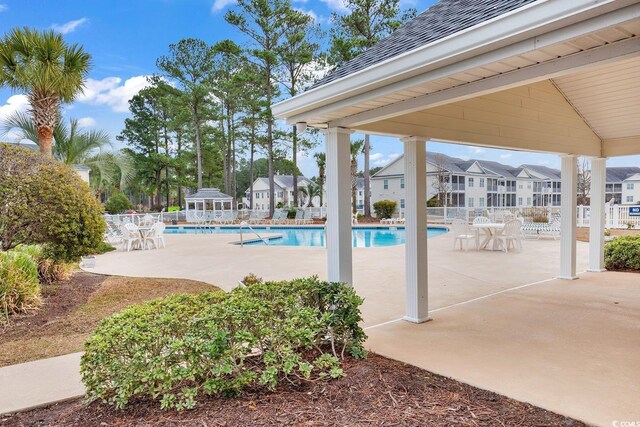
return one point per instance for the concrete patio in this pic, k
(500, 321)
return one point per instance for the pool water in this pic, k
(315, 236)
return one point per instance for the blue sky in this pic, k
(126, 37)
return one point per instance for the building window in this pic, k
(401, 183)
(481, 182)
(529, 185)
(401, 203)
(470, 202)
(359, 193)
(629, 185)
(481, 200)
(519, 201)
(629, 199)
(280, 194)
(470, 182)
(528, 201)
(257, 196)
(520, 186)
(385, 184)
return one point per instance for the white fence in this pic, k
(616, 216)
(181, 216)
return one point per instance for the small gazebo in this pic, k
(206, 201)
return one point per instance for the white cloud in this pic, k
(109, 91)
(505, 156)
(15, 103)
(382, 160)
(316, 18)
(337, 5)
(3, 7)
(86, 122)
(218, 5)
(478, 150)
(70, 26)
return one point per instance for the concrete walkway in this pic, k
(32, 384)
(572, 347)
(500, 321)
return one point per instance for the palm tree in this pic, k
(49, 70)
(321, 161)
(356, 149)
(308, 193)
(73, 146)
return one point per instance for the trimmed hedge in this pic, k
(623, 253)
(175, 349)
(385, 208)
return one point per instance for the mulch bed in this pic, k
(59, 299)
(376, 392)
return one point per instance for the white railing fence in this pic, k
(616, 216)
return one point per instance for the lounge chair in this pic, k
(308, 216)
(256, 217)
(299, 218)
(278, 216)
(539, 229)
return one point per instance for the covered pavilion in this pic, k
(558, 76)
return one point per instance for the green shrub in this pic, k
(117, 203)
(46, 202)
(623, 253)
(19, 286)
(49, 271)
(385, 208)
(175, 349)
(251, 279)
(541, 219)
(432, 202)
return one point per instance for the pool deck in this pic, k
(501, 322)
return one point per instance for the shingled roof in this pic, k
(208, 194)
(443, 19)
(619, 174)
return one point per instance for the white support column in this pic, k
(415, 172)
(569, 172)
(597, 215)
(338, 186)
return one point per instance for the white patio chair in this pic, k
(354, 219)
(299, 218)
(461, 232)
(147, 220)
(131, 238)
(308, 216)
(481, 220)
(155, 236)
(277, 216)
(511, 235)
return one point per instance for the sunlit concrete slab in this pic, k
(454, 276)
(567, 346)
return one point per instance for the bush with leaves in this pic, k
(117, 203)
(623, 253)
(385, 208)
(178, 348)
(46, 202)
(19, 286)
(49, 271)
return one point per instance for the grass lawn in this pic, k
(73, 308)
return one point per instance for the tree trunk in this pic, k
(367, 177)
(270, 142)
(45, 140)
(354, 184)
(251, 170)
(196, 124)
(295, 165)
(321, 179)
(234, 181)
(179, 170)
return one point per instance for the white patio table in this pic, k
(490, 229)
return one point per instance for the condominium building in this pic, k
(283, 191)
(473, 183)
(623, 185)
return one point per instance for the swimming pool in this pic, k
(363, 237)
